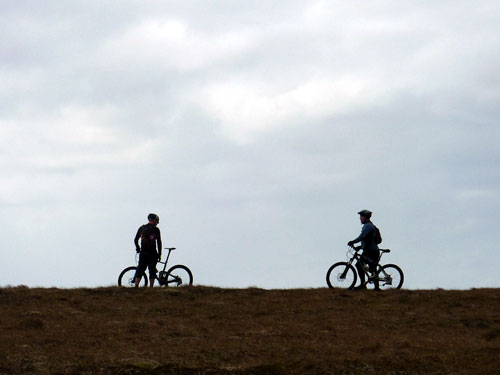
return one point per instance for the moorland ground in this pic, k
(203, 330)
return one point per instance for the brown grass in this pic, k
(204, 330)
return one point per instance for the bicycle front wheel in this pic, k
(341, 275)
(179, 276)
(390, 276)
(126, 278)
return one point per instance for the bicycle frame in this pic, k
(361, 258)
(159, 275)
(170, 249)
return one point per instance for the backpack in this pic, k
(148, 238)
(377, 237)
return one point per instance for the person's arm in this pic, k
(136, 240)
(364, 232)
(158, 240)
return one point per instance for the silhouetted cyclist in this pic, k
(150, 254)
(368, 239)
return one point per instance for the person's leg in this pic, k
(373, 256)
(152, 271)
(141, 268)
(373, 270)
(361, 273)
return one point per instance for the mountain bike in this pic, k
(176, 276)
(344, 275)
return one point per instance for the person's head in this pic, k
(364, 216)
(153, 219)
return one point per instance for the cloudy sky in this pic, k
(255, 130)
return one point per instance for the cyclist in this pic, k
(149, 253)
(369, 245)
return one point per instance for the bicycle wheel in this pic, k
(341, 275)
(126, 278)
(178, 276)
(390, 277)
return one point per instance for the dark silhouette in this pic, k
(150, 237)
(371, 253)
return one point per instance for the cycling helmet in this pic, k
(365, 213)
(154, 217)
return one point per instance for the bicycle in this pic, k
(176, 276)
(344, 275)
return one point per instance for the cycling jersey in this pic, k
(150, 236)
(367, 238)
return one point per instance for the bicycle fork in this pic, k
(343, 275)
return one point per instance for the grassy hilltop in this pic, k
(203, 330)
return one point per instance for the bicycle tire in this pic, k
(178, 276)
(341, 275)
(126, 278)
(390, 277)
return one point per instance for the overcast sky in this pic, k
(255, 130)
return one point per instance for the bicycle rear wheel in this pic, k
(178, 276)
(390, 277)
(126, 278)
(341, 275)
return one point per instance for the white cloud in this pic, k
(172, 44)
(83, 126)
(76, 137)
(244, 109)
